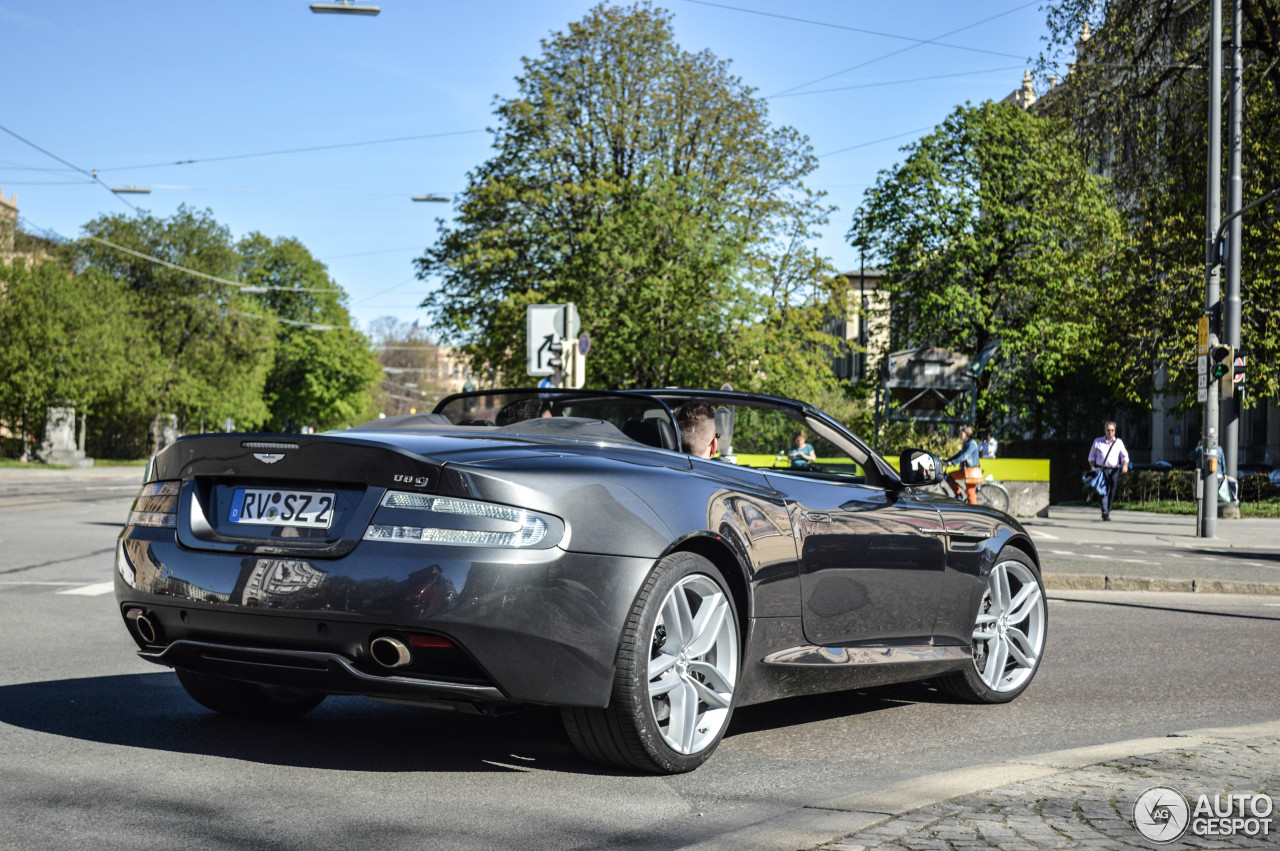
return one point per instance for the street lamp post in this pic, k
(1207, 507)
(1235, 195)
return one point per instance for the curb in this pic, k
(1101, 582)
(829, 821)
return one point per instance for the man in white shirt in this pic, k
(1109, 455)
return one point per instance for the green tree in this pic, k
(70, 340)
(994, 229)
(1137, 95)
(646, 185)
(215, 341)
(323, 372)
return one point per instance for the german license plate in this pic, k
(271, 507)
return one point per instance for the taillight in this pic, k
(156, 505)
(449, 520)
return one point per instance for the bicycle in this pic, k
(989, 492)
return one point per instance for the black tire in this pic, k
(233, 697)
(1026, 626)
(994, 496)
(629, 733)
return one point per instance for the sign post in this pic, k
(551, 346)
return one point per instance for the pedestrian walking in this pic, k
(987, 446)
(1109, 455)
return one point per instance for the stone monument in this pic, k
(60, 445)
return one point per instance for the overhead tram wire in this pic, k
(875, 142)
(91, 175)
(899, 82)
(917, 41)
(293, 150)
(250, 288)
(874, 59)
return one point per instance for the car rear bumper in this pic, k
(529, 627)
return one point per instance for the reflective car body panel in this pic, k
(513, 554)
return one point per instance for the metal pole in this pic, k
(1235, 197)
(1208, 506)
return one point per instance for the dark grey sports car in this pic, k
(555, 548)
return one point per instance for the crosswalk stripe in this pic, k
(91, 590)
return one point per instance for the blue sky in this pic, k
(130, 88)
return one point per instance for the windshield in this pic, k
(641, 418)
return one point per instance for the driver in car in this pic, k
(697, 422)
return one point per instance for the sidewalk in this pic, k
(1083, 524)
(36, 474)
(1079, 798)
(1069, 799)
(1137, 551)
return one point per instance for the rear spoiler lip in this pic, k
(316, 458)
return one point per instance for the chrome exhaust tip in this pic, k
(389, 652)
(146, 629)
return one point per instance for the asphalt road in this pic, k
(101, 750)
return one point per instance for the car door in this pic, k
(872, 561)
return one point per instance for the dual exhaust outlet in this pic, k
(393, 653)
(386, 651)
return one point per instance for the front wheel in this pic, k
(677, 668)
(1008, 634)
(234, 697)
(994, 496)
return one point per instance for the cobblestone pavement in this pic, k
(1091, 806)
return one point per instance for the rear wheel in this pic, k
(676, 671)
(234, 697)
(993, 495)
(1008, 634)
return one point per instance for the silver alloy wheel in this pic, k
(1008, 637)
(693, 664)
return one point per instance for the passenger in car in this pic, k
(524, 409)
(697, 422)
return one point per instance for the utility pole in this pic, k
(1235, 198)
(1207, 508)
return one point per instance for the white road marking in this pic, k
(94, 590)
(31, 582)
(1036, 533)
(1061, 552)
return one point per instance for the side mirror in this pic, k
(919, 468)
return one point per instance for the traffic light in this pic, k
(557, 349)
(1237, 373)
(1220, 358)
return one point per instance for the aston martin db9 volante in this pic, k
(556, 548)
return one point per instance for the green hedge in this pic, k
(1180, 485)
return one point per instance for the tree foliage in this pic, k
(994, 230)
(1138, 96)
(645, 184)
(69, 340)
(215, 342)
(323, 372)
